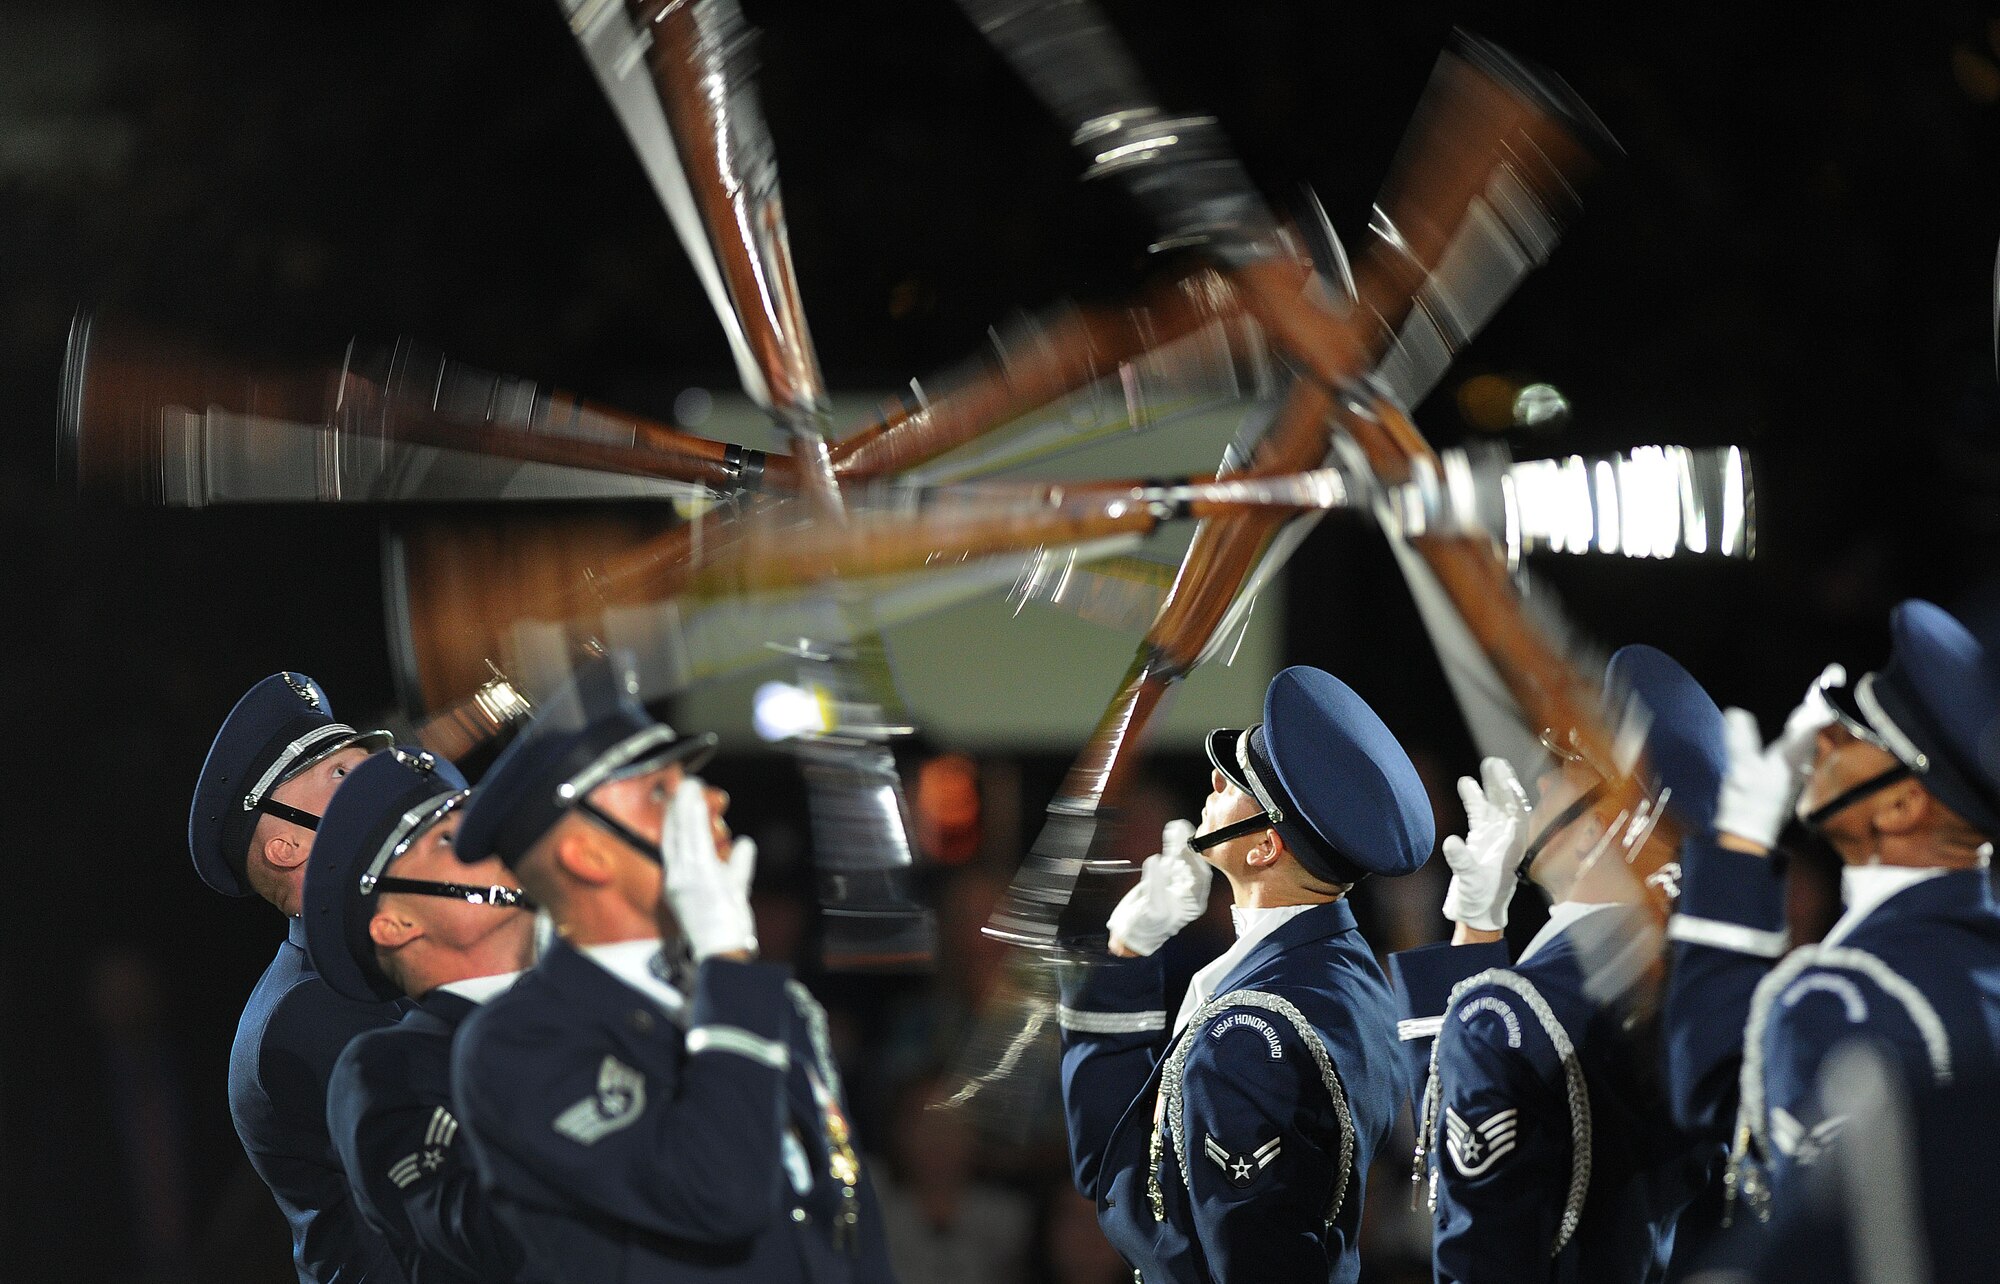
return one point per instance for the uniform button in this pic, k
(800, 1215)
(642, 1021)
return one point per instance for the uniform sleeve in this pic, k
(309, 1029)
(1114, 1028)
(872, 1264)
(1818, 1011)
(1727, 931)
(1423, 980)
(1262, 1155)
(1502, 1149)
(685, 1146)
(409, 1171)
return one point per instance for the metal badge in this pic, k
(303, 688)
(423, 761)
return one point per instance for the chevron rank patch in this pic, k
(1241, 1170)
(618, 1102)
(1794, 1140)
(418, 1164)
(1475, 1147)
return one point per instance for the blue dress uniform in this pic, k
(1237, 1147)
(1543, 1129)
(623, 1136)
(389, 1106)
(1913, 969)
(1910, 1163)
(294, 1026)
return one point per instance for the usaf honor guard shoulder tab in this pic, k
(1173, 1087)
(1475, 1145)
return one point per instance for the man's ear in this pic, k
(281, 852)
(1265, 854)
(1901, 809)
(582, 859)
(390, 931)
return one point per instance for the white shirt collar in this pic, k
(478, 989)
(1865, 887)
(632, 963)
(1252, 926)
(1562, 915)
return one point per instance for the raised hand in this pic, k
(709, 896)
(1483, 863)
(1171, 893)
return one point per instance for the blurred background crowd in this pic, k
(1794, 254)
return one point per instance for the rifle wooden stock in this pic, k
(1550, 689)
(700, 56)
(564, 429)
(1077, 349)
(120, 383)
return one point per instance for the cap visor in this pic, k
(1848, 710)
(1221, 748)
(371, 741)
(691, 752)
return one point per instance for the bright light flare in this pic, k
(781, 711)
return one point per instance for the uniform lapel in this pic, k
(1961, 892)
(443, 1009)
(633, 1020)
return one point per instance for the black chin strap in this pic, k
(285, 811)
(619, 829)
(1217, 837)
(497, 896)
(1564, 819)
(1818, 816)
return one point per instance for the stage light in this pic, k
(1540, 405)
(781, 711)
(693, 407)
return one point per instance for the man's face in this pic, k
(1842, 760)
(312, 789)
(640, 802)
(1226, 804)
(448, 921)
(1556, 789)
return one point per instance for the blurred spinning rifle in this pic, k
(1472, 205)
(1494, 154)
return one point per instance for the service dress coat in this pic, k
(1549, 1152)
(389, 1109)
(292, 1031)
(620, 1144)
(1237, 1149)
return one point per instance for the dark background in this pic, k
(1795, 254)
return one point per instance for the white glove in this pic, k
(1484, 862)
(1172, 892)
(1763, 783)
(710, 898)
(742, 863)
(1799, 740)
